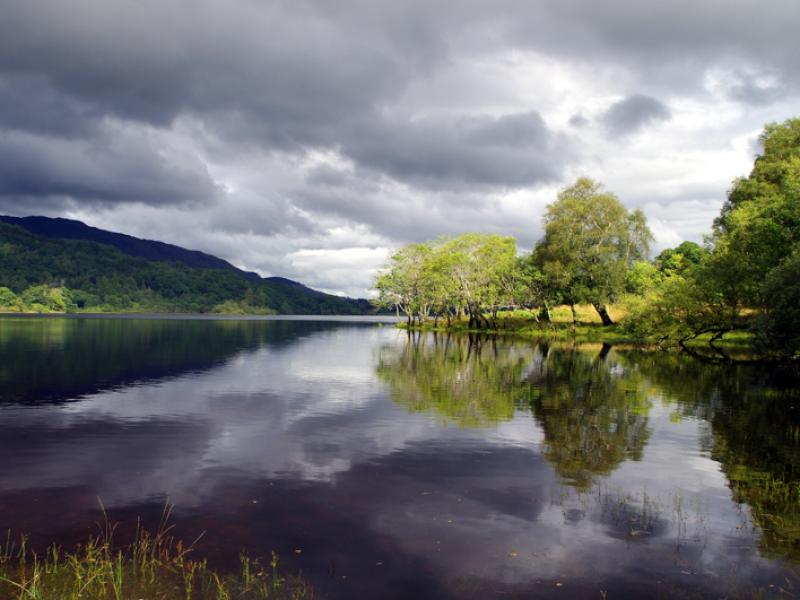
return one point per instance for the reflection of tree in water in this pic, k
(592, 405)
(593, 413)
(472, 381)
(754, 414)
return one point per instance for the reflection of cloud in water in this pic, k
(309, 433)
(261, 414)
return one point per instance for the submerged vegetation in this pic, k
(745, 278)
(153, 566)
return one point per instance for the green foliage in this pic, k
(9, 302)
(680, 260)
(590, 242)
(676, 310)
(472, 274)
(43, 298)
(642, 277)
(750, 266)
(410, 281)
(778, 329)
(63, 275)
(759, 225)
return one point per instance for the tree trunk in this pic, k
(544, 313)
(574, 315)
(604, 316)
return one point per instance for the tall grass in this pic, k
(155, 566)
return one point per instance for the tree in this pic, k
(8, 300)
(403, 283)
(759, 225)
(778, 329)
(484, 267)
(681, 259)
(474, 273)
(43, 298)
(590, 242)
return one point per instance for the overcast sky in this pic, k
(308, 139)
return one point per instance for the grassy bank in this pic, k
(588, 329)
(155, 567)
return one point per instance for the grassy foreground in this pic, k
(152, 567)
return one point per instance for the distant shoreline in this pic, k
(390, 319)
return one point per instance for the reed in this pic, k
(155, 566)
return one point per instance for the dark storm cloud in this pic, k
(509, 151)
(284, 70)
(633, 113)
(116, 166)
(33, 104)
(294, 76)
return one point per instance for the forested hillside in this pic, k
(43, 274)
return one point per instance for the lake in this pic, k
(385, 465)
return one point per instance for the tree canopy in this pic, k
(473, 274)
(590, 242)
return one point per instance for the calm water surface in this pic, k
(387, 466)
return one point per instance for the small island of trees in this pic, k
(595, 252)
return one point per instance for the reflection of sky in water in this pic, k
(308, 427)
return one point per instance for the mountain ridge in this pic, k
(115, 271)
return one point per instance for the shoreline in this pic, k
(201, 316)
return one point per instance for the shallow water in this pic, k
(383, 465)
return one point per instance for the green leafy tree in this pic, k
(680, 260)
(43, 298)
(475, 274)
(8, 300)
(759, 225)
(677, 311)
(642, 277)
(590, 242)
(405, 284)
(484, 268)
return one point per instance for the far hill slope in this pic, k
(68, 229)
(101, 277)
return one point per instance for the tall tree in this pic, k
(405, 284)
(759, 225)
(483, 265)
(590, 241)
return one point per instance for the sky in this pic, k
(309, 139)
